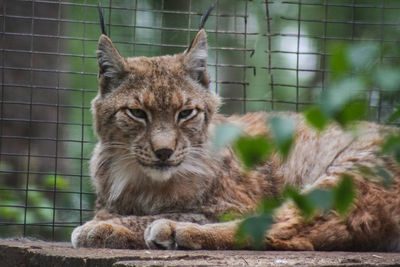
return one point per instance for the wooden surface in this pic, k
(26, 252)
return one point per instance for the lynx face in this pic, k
(155, 112)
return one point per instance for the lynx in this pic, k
(160, 184)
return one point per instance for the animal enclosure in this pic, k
(263, 55)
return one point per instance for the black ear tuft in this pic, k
(101, 18)
(204, 17)
(196, 54)
(203, 21)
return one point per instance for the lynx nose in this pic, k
(164, 153)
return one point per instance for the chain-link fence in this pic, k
(263, 55)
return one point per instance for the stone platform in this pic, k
(26, 252)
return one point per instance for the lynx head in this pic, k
(155, 110)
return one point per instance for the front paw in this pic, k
(102, 234)
(167, 234)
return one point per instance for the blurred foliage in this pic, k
(344, 195)
(355, 69)
(253, 227)
(224, 135)
(252, 150)
(344, 102)
(283, 133)
(252, 230)
(392, 146)
(43, 206)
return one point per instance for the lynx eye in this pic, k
(184, 114)
(137, 113)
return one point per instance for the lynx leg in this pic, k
(290, 232)
(170, 234)
(114, 231)
(372, 224)
(101, 234)
(167, 234)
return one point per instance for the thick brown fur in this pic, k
(160, 184)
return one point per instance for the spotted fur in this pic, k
(143, 202)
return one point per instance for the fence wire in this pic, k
(263, 55)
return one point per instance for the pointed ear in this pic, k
(113, 68)
(196, 59)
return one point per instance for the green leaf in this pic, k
(339, 63)
(253, 229)
(224, 135)
(229, 216)
(267, 206)
(343, 195)
(11, 214)
(392, 146)
(60, 182)
(8, 195)
(316, 118)
(334, 100)
(322, 199)
(283, 130)
(395, 115)
(391, 142)
(252, 150)
(363, 56)
(304, 204)
(386, 177)
(354, 110)
(388, 78)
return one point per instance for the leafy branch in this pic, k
(353, 69)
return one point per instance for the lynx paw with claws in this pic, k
(167, 234)
(100, 234)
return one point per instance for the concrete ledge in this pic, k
(25, 252)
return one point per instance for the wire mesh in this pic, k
(264, 55)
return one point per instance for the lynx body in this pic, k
(160, 184)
